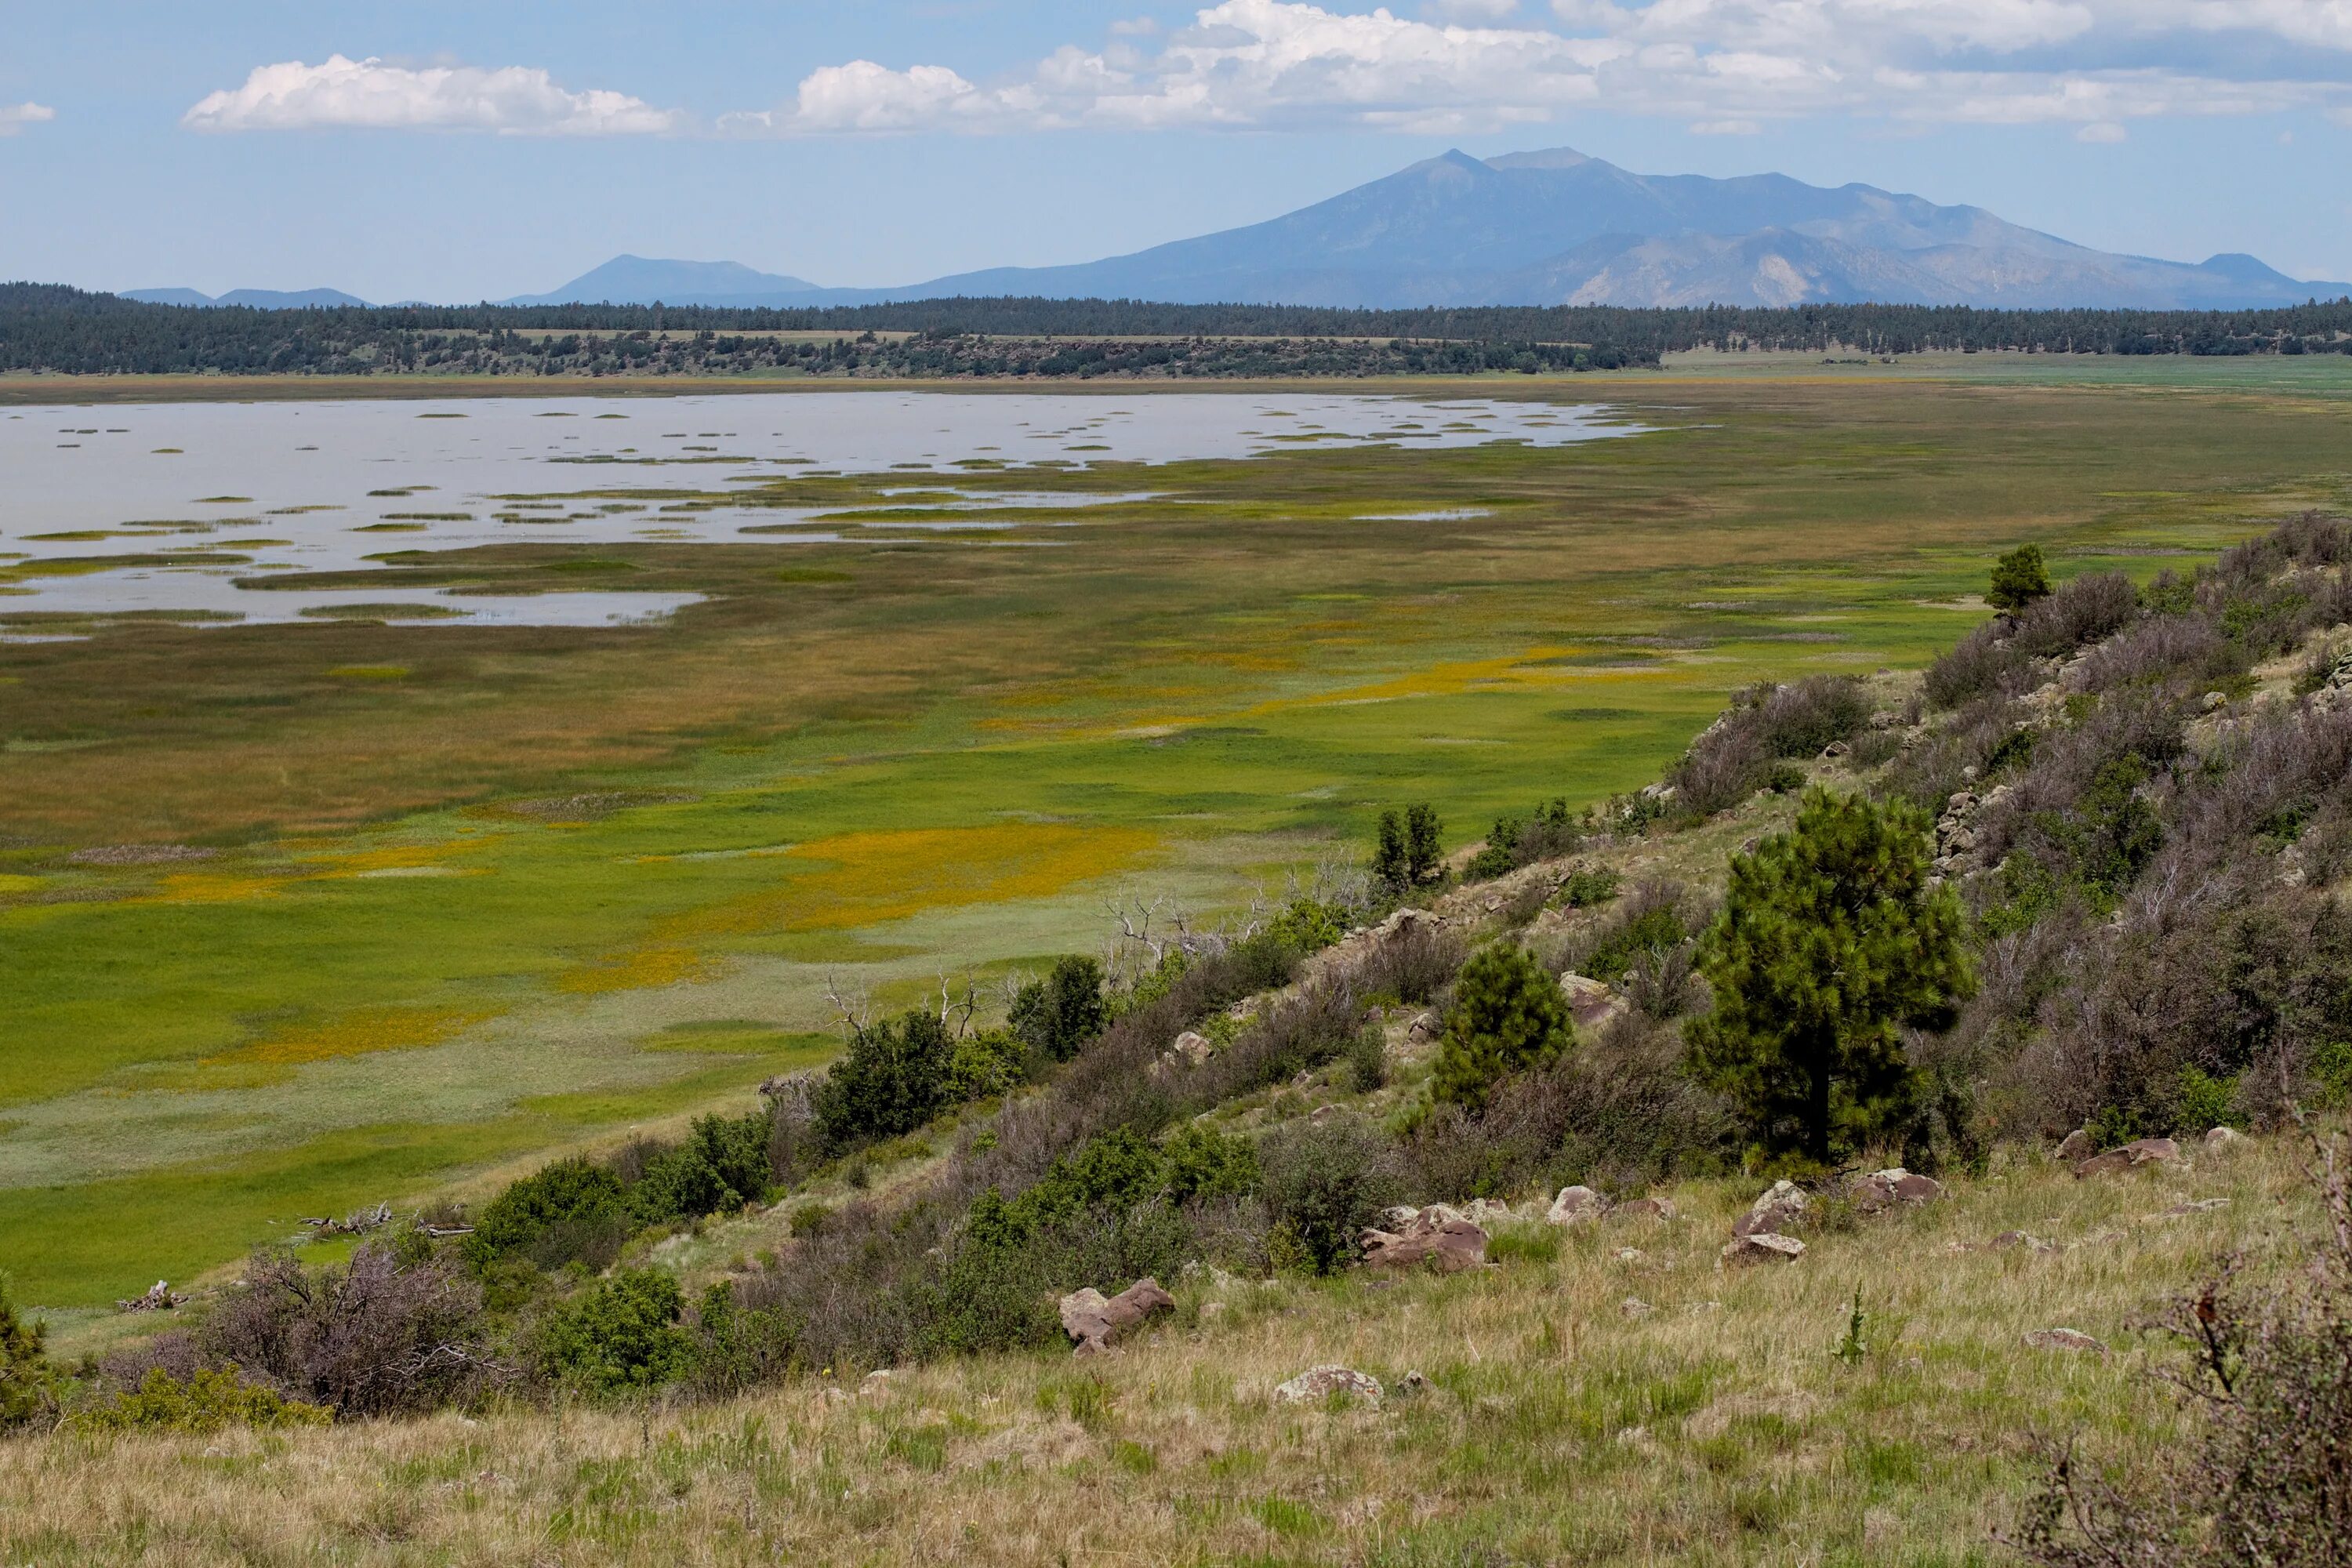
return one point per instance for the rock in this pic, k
(1451, 1247)
(2009, 1240)
(1398, 1218)
(1576, 1205)
(1488, 1212)
(1885, 1189)
(1762, 1246)
(1634, 1307)
(160, 1298)
(2065, 1339)
(1091, 1319)
(2213, 701)
(1426, 1027)
(2204, 1205)
(1321, 1383)
(1644, 1208)
(2222, 1138)
(1834, 749)
(2130, 1157)
(1194, 1047)
(1780, 1210)
(1411, 1385)
(1628, 1254)
(1591, 1002)
(2077, 1146)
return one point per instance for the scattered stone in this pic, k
(1091, 1319)
(2010, 1240)
(1426, 1027)
(1397, 1218)
(2222, 1138)
(1835, 750)
(2130, 1157)
(1762, 1246)
(2077, 1146)
(2206, 1205)
(1440, 1214)
(1577, 1205)
(1778, 1210)
(160, 1298)
(1451, 1246)
(2214, 701)
(1212, 1311)
(1321, 1383)
(2065, 1339)
(1630, 1254)
(1634, 1307)
(1644, 1208)
(1488, 1213)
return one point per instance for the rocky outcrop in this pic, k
(2077, 1146)
(1318, 1383)
(2224, 1138)
(1449, 1244)
(1644, 1208)
(1191, 1047)
(1593, 1003)
(1092, 1320)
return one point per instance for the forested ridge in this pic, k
(49, 328)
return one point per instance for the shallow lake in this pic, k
(199, 500)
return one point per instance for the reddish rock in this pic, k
(1778, 1210)
(1644, 1208)
(1762, 1246)
(1577, 1205)
(1091, 1319)
(1450, 1248)
(2130, 1157)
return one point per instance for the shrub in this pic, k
(1062, 1012)
(2018, 578)
(378, 1336)
(985, 1065)
(1515, 841)
(1413, 966)
(894, 1076)
(209, 1400)
(1588, 887)
(1985, 663)
(1509, 1014)
(1324, 1185)
(1308, 925)
(1367, 1060)
(27, 1382)
(567, 1212)
(2085, 611)
(1205, 1164)
(722, 1165)
(1830, 942)
(1737, 754)
(1648, 926)
(620, 1335)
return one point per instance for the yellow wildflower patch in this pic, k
(357, 1034)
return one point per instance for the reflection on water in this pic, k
(173, 507)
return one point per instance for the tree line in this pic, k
(49, 328)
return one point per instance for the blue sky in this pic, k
(459, 150)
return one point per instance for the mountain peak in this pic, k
(1543, 158)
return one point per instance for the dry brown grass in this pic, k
(1716, 1427)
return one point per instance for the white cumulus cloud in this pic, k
(15, 117)
(1722, 66)
(516, 101)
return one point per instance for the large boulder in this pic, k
(2076, 1146)
(2224, 1138)
(2130, 1157)
(1780, 1209)
(1577, 1205)
(1192, 1047)
(1644, 1208)
(1762, 1246)
(1450, 1245)
(1092, 1319)
(1321, 1383)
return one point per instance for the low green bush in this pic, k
(1509, 1014)
(571, 1211)
(620, 1335)
(209, 1400)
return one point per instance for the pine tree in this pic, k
(1388, 852)
(1831, 941)
(1509, 1014)
(1423, 855)
(2018, 578)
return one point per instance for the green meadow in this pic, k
(294, 918)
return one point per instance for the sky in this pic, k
(447, 151)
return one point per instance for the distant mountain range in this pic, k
(1535, 228)
(256, 298)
